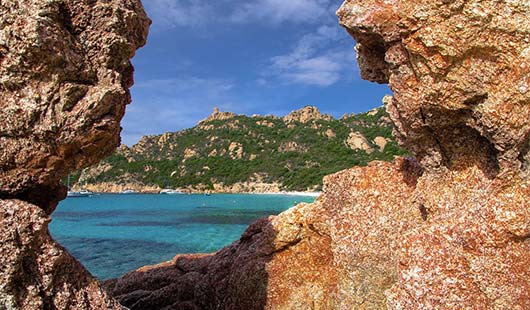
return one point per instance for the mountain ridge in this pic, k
(227, 152)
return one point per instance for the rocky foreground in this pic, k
(449, 229)
(64, 83)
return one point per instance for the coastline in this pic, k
(253, 188)
(286, 193)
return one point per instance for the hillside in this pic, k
(237, 153)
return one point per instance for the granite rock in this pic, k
(356, 141)
(64, 83)
(38, 273)
(459, 73)
(305, 115)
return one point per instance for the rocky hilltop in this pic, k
(236, 153)
(305, 115)
(218, 115)
(64, 79)
(447, 229)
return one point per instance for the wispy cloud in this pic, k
(193, 84)
(320, 71)
(279, 11)
(168, 14)
(314, 59)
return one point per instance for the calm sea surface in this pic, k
(115, 234)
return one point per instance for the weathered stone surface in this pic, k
(459, 71)
(64, 79)
(36, 272)
(218, 116)
(449, 231)
(381, 142)
(473, 251)
(356, 141)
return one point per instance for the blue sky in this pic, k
(248, 57)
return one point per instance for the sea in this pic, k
(114, 234)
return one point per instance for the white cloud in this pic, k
(278, 11)
(191, 13)
(320, 71)
(314, 60)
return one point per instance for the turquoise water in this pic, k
(114, 234)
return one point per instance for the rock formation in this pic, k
(36, 272)
(306, 114)
(381, 142)
(459, 72)
(356, 141)
(65, 74)
(449, 230)
(64, 79)
(218, 115)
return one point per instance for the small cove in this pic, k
(115, 234)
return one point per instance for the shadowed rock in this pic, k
(36, 272)
(64, 83)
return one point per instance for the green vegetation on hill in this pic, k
(240, 148)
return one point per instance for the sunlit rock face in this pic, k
(459, 71)
(64, 79)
